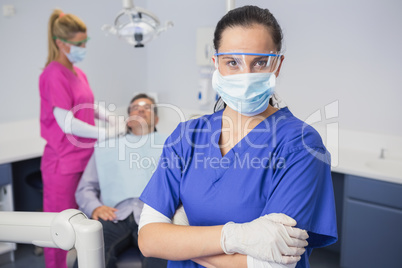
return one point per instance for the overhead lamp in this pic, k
(136, 25)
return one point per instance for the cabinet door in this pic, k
(371, 235)
(5, 174)
(6, 204)
(6, 192)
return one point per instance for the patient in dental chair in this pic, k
(115, 177)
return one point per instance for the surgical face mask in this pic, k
(76, 54)
(246, 93)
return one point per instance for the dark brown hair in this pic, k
(248, 16)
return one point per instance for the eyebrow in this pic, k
(227, 57)
(261, 57)
(231, 58)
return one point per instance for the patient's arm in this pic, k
(87, 194)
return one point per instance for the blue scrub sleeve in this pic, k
(304, 191)
(162, 192)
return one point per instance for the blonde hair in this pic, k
(63, 26)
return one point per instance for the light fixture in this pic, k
(136, 25)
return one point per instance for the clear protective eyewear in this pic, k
(74, 43)
(142, 105)
(240, 62)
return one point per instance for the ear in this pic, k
(215, 63)
(59, 43)
(280, 66)
(62, 46)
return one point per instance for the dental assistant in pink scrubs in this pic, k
(67, 119)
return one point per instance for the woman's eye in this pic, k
(261, 63)
(232, 63)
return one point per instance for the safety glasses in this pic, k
(75, 43)
(239, 62)
(142, 105)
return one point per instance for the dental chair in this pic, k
(66, 230)
(130, 258)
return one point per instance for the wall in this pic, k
(346, 51)
(114, 69)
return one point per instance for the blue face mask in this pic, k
(76, 54)
(246, 93)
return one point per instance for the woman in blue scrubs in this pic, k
(252, 178)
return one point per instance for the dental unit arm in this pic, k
(66, 230)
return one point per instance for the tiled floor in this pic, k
(25, 258)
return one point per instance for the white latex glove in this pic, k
(256, 263)
(180, 217)
(71, 125)
(121, 126)
(116, 127)
(107, 133)
(268, 238)
(111, 121)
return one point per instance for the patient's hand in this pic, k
(105, 213)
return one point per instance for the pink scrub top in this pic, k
(60, 87)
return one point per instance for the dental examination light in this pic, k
(66, 230)
(136, 25)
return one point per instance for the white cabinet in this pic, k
(6, 204)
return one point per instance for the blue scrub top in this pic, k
(281, 166)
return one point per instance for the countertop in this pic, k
(370, 155)
(20, 141)
(13, 151)
(369, 165)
